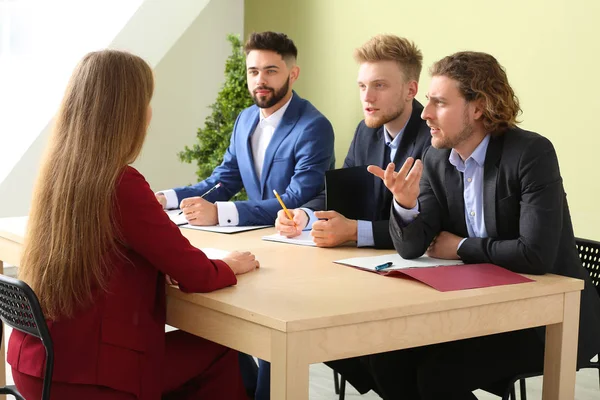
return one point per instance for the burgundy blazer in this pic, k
(119, 341)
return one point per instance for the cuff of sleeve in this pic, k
(406, 216)
(311, 218)
(172, 200)
(460, 244)
(228, 213)
(365, 234)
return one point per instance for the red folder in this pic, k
(459, 277)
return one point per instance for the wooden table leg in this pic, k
(560, 361)
(289, 366)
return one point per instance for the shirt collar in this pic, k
(275, 118)
(478, 155)
(394, 143)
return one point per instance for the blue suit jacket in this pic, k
(296, 159)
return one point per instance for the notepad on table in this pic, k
(225, 229)
(176, 216)
(180, 221)
(443, 275)
(304, 239)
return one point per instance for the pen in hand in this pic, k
(218, 185)
(287, 212)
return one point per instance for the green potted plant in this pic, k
(212, 140)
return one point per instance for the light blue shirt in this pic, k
(365, 228)
(472, 170)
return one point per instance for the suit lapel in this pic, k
(490, 175)
(456, 202)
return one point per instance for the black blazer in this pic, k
(367, 148)
(526, 217)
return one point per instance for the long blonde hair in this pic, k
(99, 129)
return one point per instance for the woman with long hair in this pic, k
(97, 250)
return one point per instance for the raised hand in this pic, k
(403, 184)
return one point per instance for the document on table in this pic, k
(174, 215)
(369, 263)
(443, 275)
(304, 239)
(214, 254)
(180, 220)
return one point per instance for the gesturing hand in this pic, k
(403, 184)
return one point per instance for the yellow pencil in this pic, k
(287, 212)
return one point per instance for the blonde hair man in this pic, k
(392, 131)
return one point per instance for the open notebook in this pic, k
(443, 275)
(179, 220)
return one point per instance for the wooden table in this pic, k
(300, 308)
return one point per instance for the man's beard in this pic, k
(376, 122)
(276, 96)
(450, 143)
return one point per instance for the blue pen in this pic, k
(384, 266)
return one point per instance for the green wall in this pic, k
(550, 49)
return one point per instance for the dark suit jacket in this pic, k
(525, 212)
(119, 340)
(295, 162)
(367, 148)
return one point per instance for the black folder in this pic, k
(350, 192)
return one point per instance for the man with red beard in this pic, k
(392, 131)
(281, 143)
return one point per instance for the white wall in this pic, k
(187, 81)
(188, 76)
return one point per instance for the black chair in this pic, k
(20, 309)
(589, 254)
(339, 386)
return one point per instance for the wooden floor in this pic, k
(321, 387)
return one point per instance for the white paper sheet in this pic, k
(370, 263)
(225, 229)
(215, 254)
(305, 239)
(176, 218)
(180, 221)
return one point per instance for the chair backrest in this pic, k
(589, 253)
(20, 309)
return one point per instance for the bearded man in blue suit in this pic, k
(281, 143)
